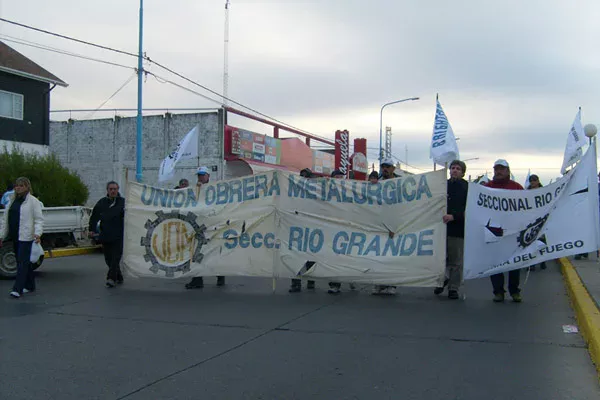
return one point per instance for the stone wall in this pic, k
(102, 150)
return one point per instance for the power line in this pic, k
(160, 79)
(163, 67)
(59, 51)
(112, 95)
(68, 37)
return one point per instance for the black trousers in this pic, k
(25, 277)
(113, 251)
(514, 277)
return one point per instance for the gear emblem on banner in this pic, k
(173, 240)
(529, 235)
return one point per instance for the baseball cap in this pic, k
(202, 171)
(387, 161)
(501, 162)
(337, 172)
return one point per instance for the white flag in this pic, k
(575, 142)
(443, 143)
(186, 149)
(504, 228)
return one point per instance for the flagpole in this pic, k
(140, 71)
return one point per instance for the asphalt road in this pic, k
(152, 339)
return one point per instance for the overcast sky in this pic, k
(510, 74)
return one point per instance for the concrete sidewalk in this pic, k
(582, 278)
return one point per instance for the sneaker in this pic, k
(440, 289)
(195, 283)
(516, 297)
(110, 283)
(310, 285)
(27, 291)
(295, 289)
(333, 290)
(499, 297)
(15, 294)
(391, 290)
(453, 294)
(377, 289)
(220, 281)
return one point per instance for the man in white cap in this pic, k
(198, 282)
(387, 171)
(502, 180)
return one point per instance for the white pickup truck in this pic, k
(63, 226)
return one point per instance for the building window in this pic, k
(11, 105)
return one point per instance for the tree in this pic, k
(52, 183)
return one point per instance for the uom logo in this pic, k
(173, 240)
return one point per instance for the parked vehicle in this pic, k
(63, 226)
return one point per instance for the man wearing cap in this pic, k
(198, 282)
(387, 172)
(296, 285)
(502, 180)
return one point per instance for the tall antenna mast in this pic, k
(226, 55)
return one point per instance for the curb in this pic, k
(74, 251)
(588, 315)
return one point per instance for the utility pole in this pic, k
(226, 56)
(140, 72)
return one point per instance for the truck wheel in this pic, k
(8, 261)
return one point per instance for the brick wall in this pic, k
(103, 149)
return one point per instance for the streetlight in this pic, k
(381, 123)
(590, 131)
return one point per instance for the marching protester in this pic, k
(534, 183)
(457, 189)
(387, 172)
(296, 285)
(107, 224)
(197, 282)
(501, 180)
(6, 196)
(183, 183)
(373, 177)
(23, 225)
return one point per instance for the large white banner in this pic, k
(187, 149)
(511, 229)
(270, 224)
(575, 141)
(443, 143)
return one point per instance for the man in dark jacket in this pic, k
(502, 181)
(107, 224)
(457, 189)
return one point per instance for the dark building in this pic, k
(24, 99)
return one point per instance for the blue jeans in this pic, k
(25, 278)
